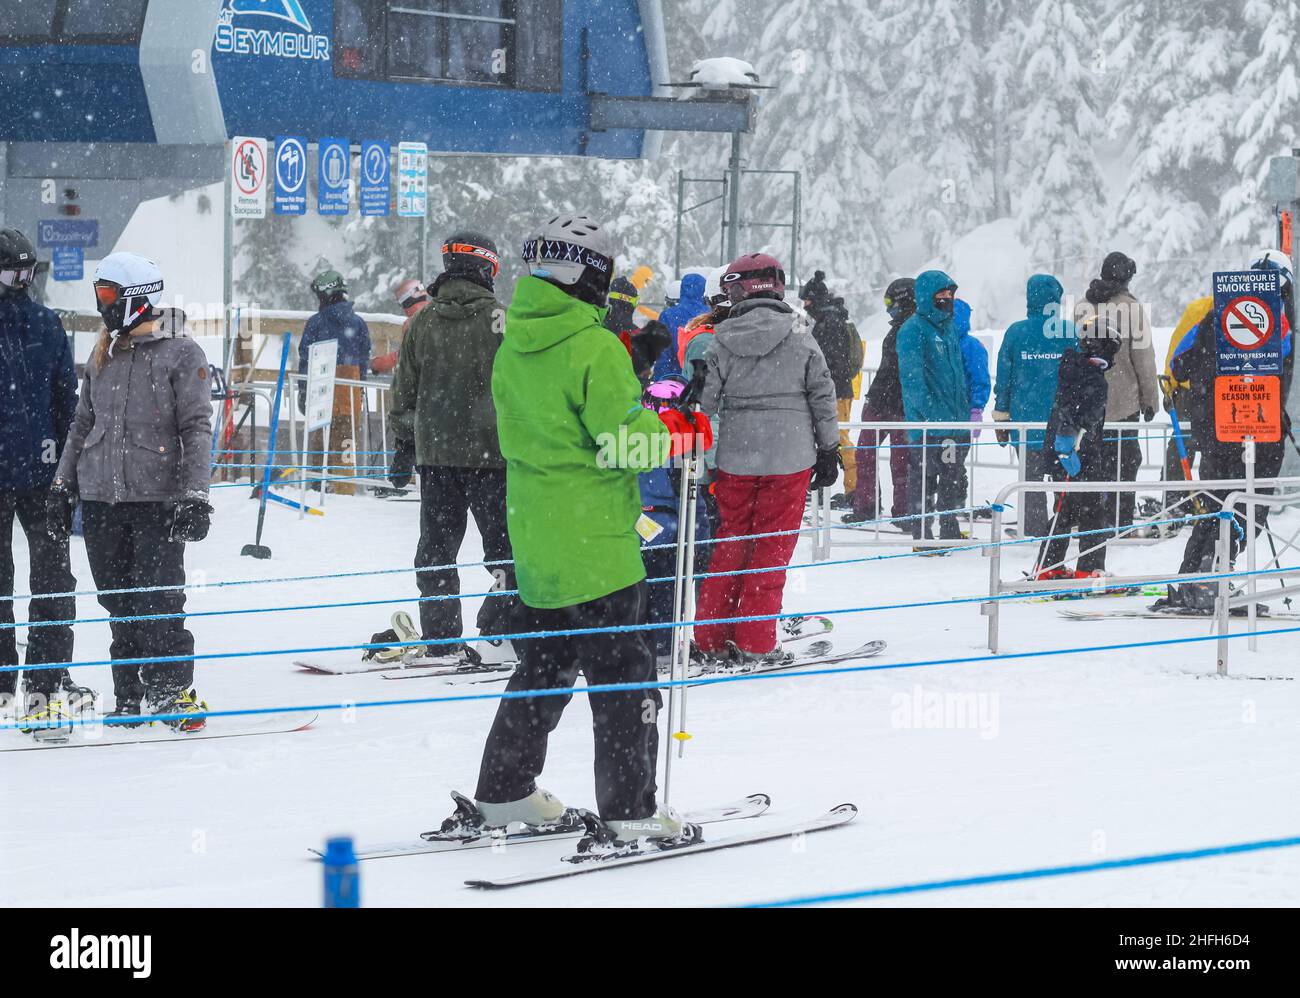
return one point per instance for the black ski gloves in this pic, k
(1149, 413)
(191, 519)
(403, 465)
(827, 469)
(59, 505)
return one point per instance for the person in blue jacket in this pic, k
(689, 305)
(1028, 362)
(335, 320)
(975, 359)
(660, 503)
(933, 377)
(38, 397)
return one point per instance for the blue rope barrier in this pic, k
(1035, 873)
(352, 604)
(508, 694)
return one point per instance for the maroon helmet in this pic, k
(754, 274)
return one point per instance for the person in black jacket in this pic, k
(842, 348)
(1075, 430)
(36, 409)
(1197, 364)
(884, 402)
(444, 423)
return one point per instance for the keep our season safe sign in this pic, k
(1248, 344)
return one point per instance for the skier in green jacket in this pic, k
(575, 436)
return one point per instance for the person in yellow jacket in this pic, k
(1177, 394)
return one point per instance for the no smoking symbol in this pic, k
(1247, 323)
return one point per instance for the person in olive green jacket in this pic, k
(575, 436)
(444, 423)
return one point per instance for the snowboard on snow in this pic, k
(591, 862)
(569, 827)
(96, 734)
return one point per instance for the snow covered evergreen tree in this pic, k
(1060, 196)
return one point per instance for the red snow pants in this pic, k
(750, 504)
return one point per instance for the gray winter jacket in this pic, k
(770, 386)
(143, 428)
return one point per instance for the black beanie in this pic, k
(1118, 268)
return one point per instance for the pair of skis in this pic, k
(576, 823)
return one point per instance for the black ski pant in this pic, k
(1119, 460)
(945, 482)
(130, 547)
(48, 572)
(1078, 512)
(1036, 520)
(625, 723)
(1221, 461)
(661, 563)
(447, 498)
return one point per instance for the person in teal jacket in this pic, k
(932, 372)
(1028, 362)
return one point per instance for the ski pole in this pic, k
(676, 644)
(1051, 530)
(688, 595)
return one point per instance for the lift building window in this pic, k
(100, 22)
(504, 43)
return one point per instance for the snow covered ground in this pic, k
(1066, 758)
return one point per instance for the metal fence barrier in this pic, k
(997, 587)
(932, 438)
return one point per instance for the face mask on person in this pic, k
(943, 300)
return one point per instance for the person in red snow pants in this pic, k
(750, 504)
(769, 384)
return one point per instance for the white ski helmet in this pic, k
(575, 253)
(128, 287)
(1273, 258)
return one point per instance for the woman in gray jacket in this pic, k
(775, 399)
(138, 458)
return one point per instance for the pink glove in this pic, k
(976, 416)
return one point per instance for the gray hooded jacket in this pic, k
(143, 428)
(772, 391)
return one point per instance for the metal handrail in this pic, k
(992, 608)
(823, 542)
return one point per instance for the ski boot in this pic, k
(841, 500)
(182, 701)
(126, 706)
(81, 699)
(494, 651)
(47, 719)
(750, 661)
(705, 662)
(541, 812)
(622, 837)
(401, 632)
(864, 517)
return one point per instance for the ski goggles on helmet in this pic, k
(661, 394)
(629, 299)
(107, 294)
(18, 278)
(563, 251)
(469, 249)
(413, 298)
